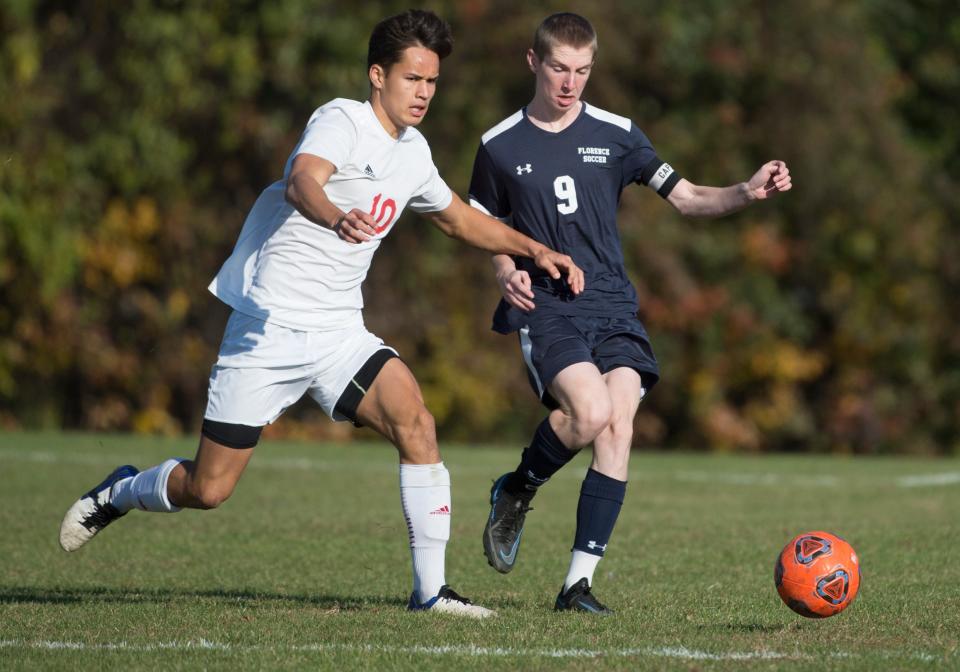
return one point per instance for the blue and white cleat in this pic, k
(92, 512)
(448, 602)
(504, 528)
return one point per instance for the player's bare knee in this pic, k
(211, 499)
(590, 418)
(210, 494)
(418, 426)
(416, 437)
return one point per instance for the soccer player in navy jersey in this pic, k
(294, 283)
(555, 171)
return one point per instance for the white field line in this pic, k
(926, 480)
(265, 460)
(110, 459)
(825, 481)
(262, 460)
(672, 652)
(767, 479)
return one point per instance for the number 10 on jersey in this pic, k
(566, 193)
(387, 209)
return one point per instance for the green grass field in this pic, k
(307, 566)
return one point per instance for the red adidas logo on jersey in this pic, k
(442, 511)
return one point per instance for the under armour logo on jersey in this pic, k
(368, 171)
(594, 545)
(524, 169)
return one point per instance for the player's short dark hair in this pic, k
(566, 29)
(412, 28)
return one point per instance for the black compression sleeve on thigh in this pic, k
(357, 387)
(230, 435)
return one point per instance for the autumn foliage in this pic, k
(135, 136)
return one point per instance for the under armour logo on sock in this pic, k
(536, 479)
(592, 545)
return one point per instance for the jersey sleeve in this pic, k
(433, 195)
(331, 135)
(487, 191)
(644, 166)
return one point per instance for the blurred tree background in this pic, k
(134, 137)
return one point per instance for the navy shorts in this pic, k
(553, 342)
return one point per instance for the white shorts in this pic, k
(264, 368)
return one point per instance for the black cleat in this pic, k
(501, 536)
(579, 598)
(92, 512)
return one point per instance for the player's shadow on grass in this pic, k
(743, 627)
(94, 594)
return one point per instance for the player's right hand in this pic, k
(355, 227)
(516, 289)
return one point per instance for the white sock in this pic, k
(425, 496)
(147, 490)
(582, 565)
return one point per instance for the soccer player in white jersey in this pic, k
(555, 170)
(294, 281)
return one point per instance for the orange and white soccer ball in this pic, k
(817, 574)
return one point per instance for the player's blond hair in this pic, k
(566, 29)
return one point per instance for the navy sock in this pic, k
(541, 460)
(600, 500)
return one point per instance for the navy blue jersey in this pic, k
(563, 189)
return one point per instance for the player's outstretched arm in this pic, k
(699, 201)
(468, 224)
(304, 191)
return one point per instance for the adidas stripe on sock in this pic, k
(425, 496)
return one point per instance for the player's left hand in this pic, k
(355, 227)
(556, 265)
(772, 177)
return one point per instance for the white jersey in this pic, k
(289, 271)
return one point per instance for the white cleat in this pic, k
(448, 602)
(92, 512)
